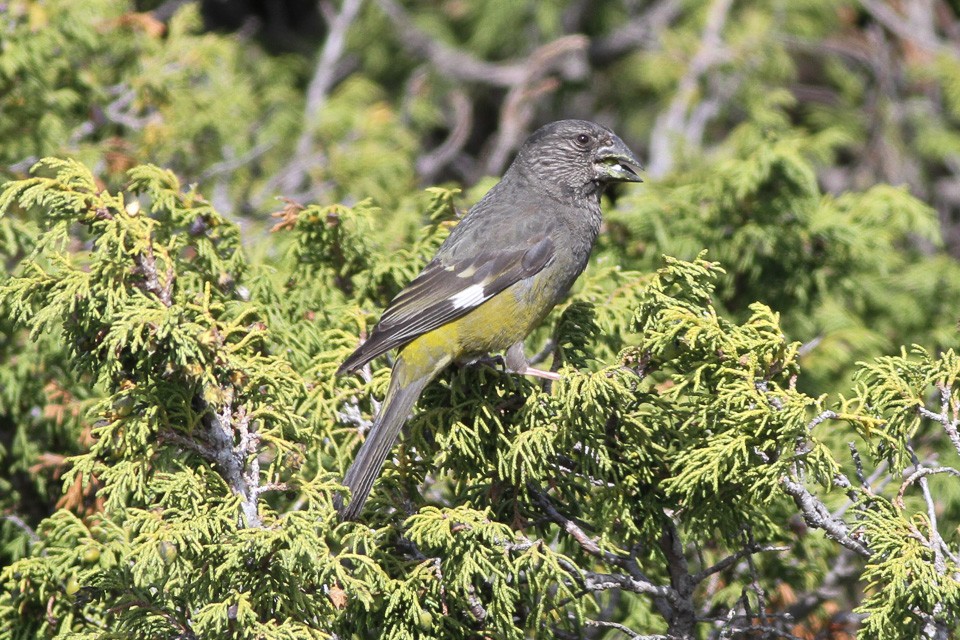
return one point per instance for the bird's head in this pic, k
(576, 158)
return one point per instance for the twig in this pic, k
(936, 543)
(587, 543)
(630, 633)
(192, 444)
(147, 265)
(671, 123)
(820, 419)
(663, 597)
(27, 529)
(905, 29)
(641, 31)
(731, 560)
(517, 110)
(117, 113)
(815, 514)
(429, 165)
(229, 165)
(318, 92)
(567, 470)
(950, 426)
(541, 355)
(922, 472)
(866, 483)
(593, 581)
(272, 486)
(449, 61)
(475, 606)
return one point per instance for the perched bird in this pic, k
(496, 276)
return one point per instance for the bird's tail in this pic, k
(401, 396)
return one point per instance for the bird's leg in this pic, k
(516, 362)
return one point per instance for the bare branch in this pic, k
(879, 477)
(449, 61)
(602, 581)
(950, 426)
(242, 478)
(429, 165)
(566, 55)
(922, 472)
(630, 633)
(587, 543)
(729, 561)
(905, 29)
(935, 541)
(476, 607)
(229, 165)
(273, 486)
(642, 31)
(820, 419)
(673, 121)
(815, 514)
(21, 524)
(318, 91)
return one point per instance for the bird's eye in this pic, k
(583, 139)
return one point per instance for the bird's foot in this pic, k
(539, 373)
(515, 361)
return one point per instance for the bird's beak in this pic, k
(616, 163)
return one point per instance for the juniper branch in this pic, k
(593, 581)
(630, 633)
(731, 560)
(448, 60)
(816, 515)
(637, 582)
(950, 426)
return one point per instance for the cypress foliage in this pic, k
(755, 433)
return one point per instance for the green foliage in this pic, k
(843, 271)
(217, 428)
(904, 581)
(172, 431)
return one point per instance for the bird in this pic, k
(504, 266)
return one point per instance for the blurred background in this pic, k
(370, 98)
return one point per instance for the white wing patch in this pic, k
(469, 297)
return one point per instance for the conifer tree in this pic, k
(755, 433)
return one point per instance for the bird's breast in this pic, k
(511, 315)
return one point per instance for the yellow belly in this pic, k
(498, 323)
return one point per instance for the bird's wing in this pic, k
(450, 288)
